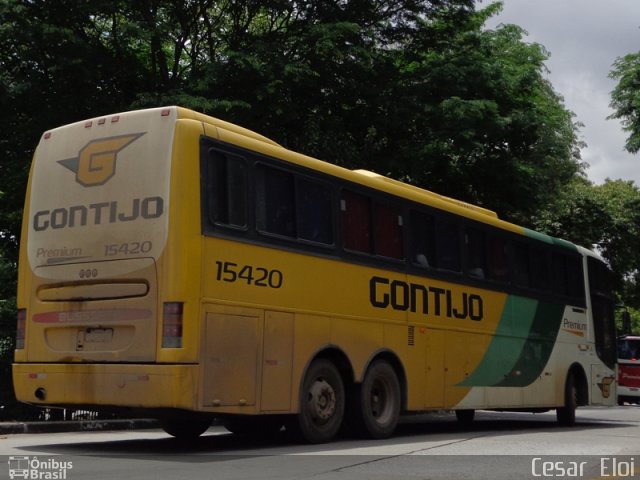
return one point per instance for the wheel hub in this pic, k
(322, 400)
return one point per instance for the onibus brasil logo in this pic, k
(38, 469)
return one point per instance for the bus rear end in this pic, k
(93, 318)
(628, 369)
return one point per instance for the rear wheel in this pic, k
(377, 401)
(322, 402)
(566, 415)
(186, 427)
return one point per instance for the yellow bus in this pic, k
(177, 266)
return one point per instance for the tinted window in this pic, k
(275, 201)
(356, 222)
(448, 246)
(388, 232)
(315, 208)
(602, 305)
(423, 235)
(559, 281)
(498, 259)
(575, 277)
(539, 269)
(629, 348)
(227, 189)
(476, 254)
(521, 265)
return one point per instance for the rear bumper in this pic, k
(135, 386)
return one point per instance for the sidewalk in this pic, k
(7, 428)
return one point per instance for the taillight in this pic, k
(172, 325)
(21, 328)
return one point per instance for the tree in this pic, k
(624, 97)
(415, 89)
(491, 129)
(421, 93)
(607, 218)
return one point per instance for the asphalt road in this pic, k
(605, 444)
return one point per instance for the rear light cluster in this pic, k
(21, 328)
(172, 314)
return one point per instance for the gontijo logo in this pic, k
(96, 161)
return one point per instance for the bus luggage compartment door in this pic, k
(230, 357)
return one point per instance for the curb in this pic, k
(76, 426)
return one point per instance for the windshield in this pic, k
(629, 348)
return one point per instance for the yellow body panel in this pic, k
(113, 385)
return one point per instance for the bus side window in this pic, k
(422, 239)
(521, 265)
(227, 189)
(448, 246)
(498, 259)
(575, 277)
(539, 269)
(356, 222)
(275, 201)
(388, 232)
(315, 212)
(559, 281)
(476, 257)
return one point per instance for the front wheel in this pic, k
(322, 401)
(378, 401)
(465, 417)
(566, 415)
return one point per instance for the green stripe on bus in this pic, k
(521, 346)
(538, 236)
(550, 240)
(537, 349)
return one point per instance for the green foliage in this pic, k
(625, 99)
(491, 131)
(634, 315)
(606, 217)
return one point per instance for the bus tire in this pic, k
(465, 417)
(186, 428)
(322, 402)
(566, 414)
(377, 401)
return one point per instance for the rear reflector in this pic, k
(21, 328)
(172, 325)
